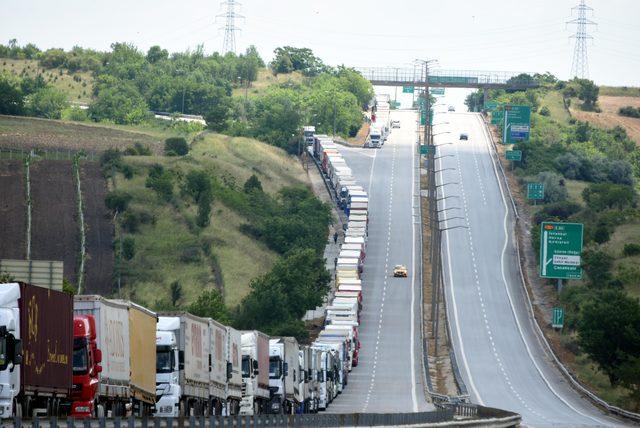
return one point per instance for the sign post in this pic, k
(558, 318)
(561, 250)
(514, 156)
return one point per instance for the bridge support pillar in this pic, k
(485, 96)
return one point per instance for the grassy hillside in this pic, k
(619, 91)
(78, 86)
(608, 117)
(265, 79)
(219, 255)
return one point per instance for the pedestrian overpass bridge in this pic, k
(389, 76)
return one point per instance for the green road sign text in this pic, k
(514, 155)
(561, 250)
(535, 191)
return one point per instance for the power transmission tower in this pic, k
(230, 28)
(580, 64)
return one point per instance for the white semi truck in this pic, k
(255, 373)
(284, 375)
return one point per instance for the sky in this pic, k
(506, 35)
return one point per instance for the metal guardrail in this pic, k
(575, 383)
(449, 414)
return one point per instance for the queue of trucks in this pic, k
(88, 356)
(380, 126)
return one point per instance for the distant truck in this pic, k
(374, 139)
(182, 368)
(307, 133)
(36, 330)
(255, 373)
(125, 337)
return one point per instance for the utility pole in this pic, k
(230, 28)
(580, 63)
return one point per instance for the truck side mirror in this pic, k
(286, 369)
(180, 360)
(229, 370)
(98, 368)
(98, 356)
(17, 351)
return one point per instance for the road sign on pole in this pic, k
(561, 250)
(517, 124)
(407, 89)
(491, 105)
(436, 91)
(558, 318)
(514, 155)
(497, 117)
(535, 191)
(425, 150)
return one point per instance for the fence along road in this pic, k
(500, 358)
(389, 375)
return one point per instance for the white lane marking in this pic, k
(453, 299)
(413, 288)
(506, 286)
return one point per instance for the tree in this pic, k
(176, 146)
(597, 264)
(117, 200)
(118, 101)
(288, 59)
(609, 331)
(601, 196)
(277, 116)
(587, 92)
(210, 304)
(175, 289)
(53, 58)
(352, 81)
(198, 185)
(252, 183)
(156, 53)
(11, 97)
(48, 102)
(161, 181)
(128, 248)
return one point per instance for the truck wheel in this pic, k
(100, 410)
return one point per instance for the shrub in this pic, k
(597, 264)
(252, 183)
(629, 111)
(128, 248)
(110, 161)
(603, 196)
(176, 146)
(117, 200)
(554, 189)
(632, 249)
(76, 114)
(138, 150)
(544, 111)
(559, 210)
(161, 181)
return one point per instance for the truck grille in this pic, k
(244, 388)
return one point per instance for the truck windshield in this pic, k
(165, 360)
(275, 368)
(245, 366)
(80, 356)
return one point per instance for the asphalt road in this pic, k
(389, 375)
(499, 355)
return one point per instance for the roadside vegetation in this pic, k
(591, 176)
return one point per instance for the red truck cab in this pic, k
(86, 366)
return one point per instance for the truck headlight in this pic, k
(83, 409)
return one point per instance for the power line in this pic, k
(230, 15)
(580, 63)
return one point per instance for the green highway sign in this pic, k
(497, 117)
(517, 124)
(436, 91)
(423, 117)
(491, 105)
(535, 191)
(425, 150)
(560, 250)
(453, 79)
(407, 89)
(557, 318)
(514, 155)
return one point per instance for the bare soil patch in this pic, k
(609, 116)
(99, 230)
(54, 233)
(13, 210)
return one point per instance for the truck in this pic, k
(255, 373)
(182, 368)
(284, 376)
(234, 371)
(308, 133)
(142, 359)
(86, 367)
(217, 367)
(308, 381)
(374, 139)
(36, 371)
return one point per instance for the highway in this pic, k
(389, 376)
(499, 355)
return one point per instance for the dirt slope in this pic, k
(13, 210)
(610, 117)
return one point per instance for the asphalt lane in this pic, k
(499, 355)
(389, 376)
